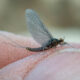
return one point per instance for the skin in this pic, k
(61, 63)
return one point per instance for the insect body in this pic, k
(48, 45)
(40, 33)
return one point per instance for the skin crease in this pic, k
(62, 63)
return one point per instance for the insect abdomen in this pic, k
(36, 49)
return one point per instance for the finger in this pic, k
(9, 53)
(63, 64)
(21, 68)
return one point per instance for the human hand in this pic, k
(62, 63)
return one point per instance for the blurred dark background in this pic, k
(62, 17)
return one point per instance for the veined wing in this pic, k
(37, 28)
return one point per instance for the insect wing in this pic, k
(37, 28)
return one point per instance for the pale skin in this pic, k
(62, 63)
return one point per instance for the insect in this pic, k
(40, 33)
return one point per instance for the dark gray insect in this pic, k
(40, 33)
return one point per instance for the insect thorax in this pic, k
(51, 43)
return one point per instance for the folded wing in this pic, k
(37, 28)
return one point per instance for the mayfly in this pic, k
(40, 33)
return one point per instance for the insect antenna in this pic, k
(65, 43)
